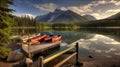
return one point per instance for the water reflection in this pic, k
(69, 37)
(95, 42)
(100, 47)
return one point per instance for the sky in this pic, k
(97, 8)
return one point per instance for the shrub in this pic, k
(4, 52)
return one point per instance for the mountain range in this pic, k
(64, 16)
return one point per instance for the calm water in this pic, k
(100, 43)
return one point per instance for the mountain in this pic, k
(89, 17)
(49, 17)
(114, 17)
(63, 16)
(68, 16)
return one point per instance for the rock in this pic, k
(29, 61)
(90, 56)
(18, 50)
(15, 56)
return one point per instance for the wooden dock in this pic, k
(37, 48)
(68, 50)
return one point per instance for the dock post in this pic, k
(77, 50)
(40, 61)
(29, 54)
(21, 40)
(77, 53)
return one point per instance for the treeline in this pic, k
(27, 22)
(100, 23)
(96, 23)
(43, 24)
(63, 24)
(24, 21)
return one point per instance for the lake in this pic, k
(100, 43)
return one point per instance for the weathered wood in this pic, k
(40, 61)
(69, 52)
(65, 60)
(77, 52)
(37, 48)
(29, 54)
(77, 61)
(57, 54)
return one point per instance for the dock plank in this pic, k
(39, 47)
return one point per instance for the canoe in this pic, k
(53, 38)
(39, 38)
(25, 37)
(33, 38)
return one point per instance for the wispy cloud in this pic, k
(63, 8)
(98, 8)
(113, 11)
(97, 15)
(81, 9)
(48, 7)
(102, 2)
(116, 2)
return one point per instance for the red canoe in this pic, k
(39, 38)
(53, 38)
(47, 38)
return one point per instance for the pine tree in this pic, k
(5, 21)
(5, 24)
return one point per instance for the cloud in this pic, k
(116, 2)
(63, 8)
(97, 8)
(48, 7)
(25, 14)
(113, 11)
(86, 8)
(102, 2)
(75, 9)
(81, 9)
(96, 15)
